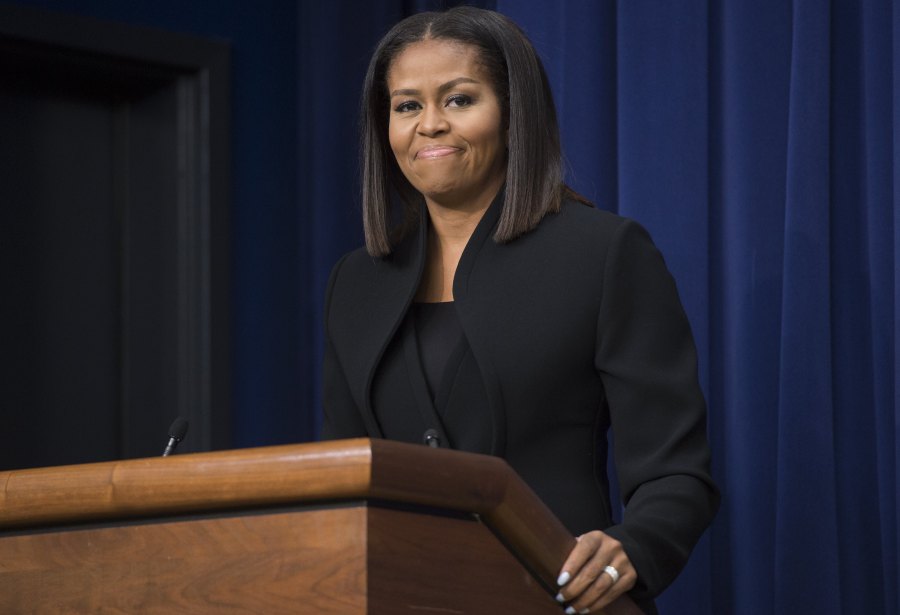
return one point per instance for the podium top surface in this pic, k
(287, 475)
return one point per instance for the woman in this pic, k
(494, 311)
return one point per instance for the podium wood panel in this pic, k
(193, 566)
(275, 522)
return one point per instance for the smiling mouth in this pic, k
(436, 151)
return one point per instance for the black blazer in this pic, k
(573, 328)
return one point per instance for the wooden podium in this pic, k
(346, 527)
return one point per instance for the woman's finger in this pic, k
(607, 587)
(585, 546)
(596, 572)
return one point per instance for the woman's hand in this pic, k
(596, 572)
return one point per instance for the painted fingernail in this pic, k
(560, 598)
(563, 578)
(570, 610)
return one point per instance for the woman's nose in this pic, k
(433, 121)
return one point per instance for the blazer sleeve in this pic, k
(646, 357)
(341, 416)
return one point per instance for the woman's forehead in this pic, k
(426, 58)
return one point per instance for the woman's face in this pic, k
(445, 125)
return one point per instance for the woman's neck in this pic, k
(448, 235)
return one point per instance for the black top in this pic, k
(437, 333)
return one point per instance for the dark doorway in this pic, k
(113, 239)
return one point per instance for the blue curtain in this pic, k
(760, 144)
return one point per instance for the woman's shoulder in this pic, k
(577, 223)
(360, 261)
(354, 267)
(586, 233)
(358, 273)
(578, 213)
(355, 259)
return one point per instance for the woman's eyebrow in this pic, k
(442, 88)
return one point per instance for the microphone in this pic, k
(176, 435)
(432, 438)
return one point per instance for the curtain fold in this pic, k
(862, 252)
(889, 424)
(805, 504)
(749, 77)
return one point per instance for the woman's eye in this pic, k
(409, 105)
(459, 100)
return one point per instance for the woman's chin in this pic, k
(441, 192)
(454, 196)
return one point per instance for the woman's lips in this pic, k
(436, 151)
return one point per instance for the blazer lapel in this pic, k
(398, 279)
(478, 248)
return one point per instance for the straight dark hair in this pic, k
(534, 184)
